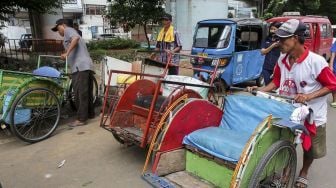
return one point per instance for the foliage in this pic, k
(305, 7)
(328, 8)
(116, 43)
(97, 55)
(9, 7)
(125, 55)
(268, 16)
(277, 7)
(129, 13)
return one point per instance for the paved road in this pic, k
(94, 159)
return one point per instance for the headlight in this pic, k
(223, 62)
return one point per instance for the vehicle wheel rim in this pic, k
(44, 115)
(281, 177)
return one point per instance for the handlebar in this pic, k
(172, 53)
(266, 94)
(53, 56)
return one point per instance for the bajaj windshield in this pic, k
(212, 36)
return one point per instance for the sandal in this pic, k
(77, 123)
(301, 182)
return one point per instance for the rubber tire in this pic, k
(260, 81)
(95, 96)
(275, 148)
(12, 111)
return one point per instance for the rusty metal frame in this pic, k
(110, 111)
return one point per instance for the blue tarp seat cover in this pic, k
(21, 115)
(242, 114)
(47, 71)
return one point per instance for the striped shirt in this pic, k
(162, 45)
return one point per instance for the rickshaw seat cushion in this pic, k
(223, 143)
(146, 101)
(47, 71)
(244, 113)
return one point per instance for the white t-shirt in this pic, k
(309, 74)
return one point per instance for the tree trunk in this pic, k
(34, 25)
(139, 26)
(145, 29)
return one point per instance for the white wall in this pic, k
(93, 20)
(187, 13)
(75, 6)
(13, 32)
(48, 21)
(95, 2)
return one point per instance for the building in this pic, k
(186, 14)
(242, 9)
(89, 14)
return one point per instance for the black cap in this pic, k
(167, 16)
(290, 28)
(60, 22)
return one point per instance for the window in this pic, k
(95, 9)
(69, 1)
(323, 28)
(329, 31)
(248, 38)
(307, 33)
(212, 36)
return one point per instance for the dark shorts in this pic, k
(319, 144)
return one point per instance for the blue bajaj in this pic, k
(237, 44)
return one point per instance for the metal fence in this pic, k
(22, 50)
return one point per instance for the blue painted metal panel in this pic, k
(244, 65)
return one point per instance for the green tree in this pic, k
(9, 7)
(277, 7)
(129, 13)
(328, 8)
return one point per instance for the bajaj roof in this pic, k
(238, 21)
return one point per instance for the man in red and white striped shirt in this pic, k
(305, 76)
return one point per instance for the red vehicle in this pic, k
(319, 34)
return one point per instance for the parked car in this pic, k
(319, 33)
(25, 41)
(237, 44)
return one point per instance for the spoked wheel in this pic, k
(276, 168)
(71, 95)
(35, 114)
